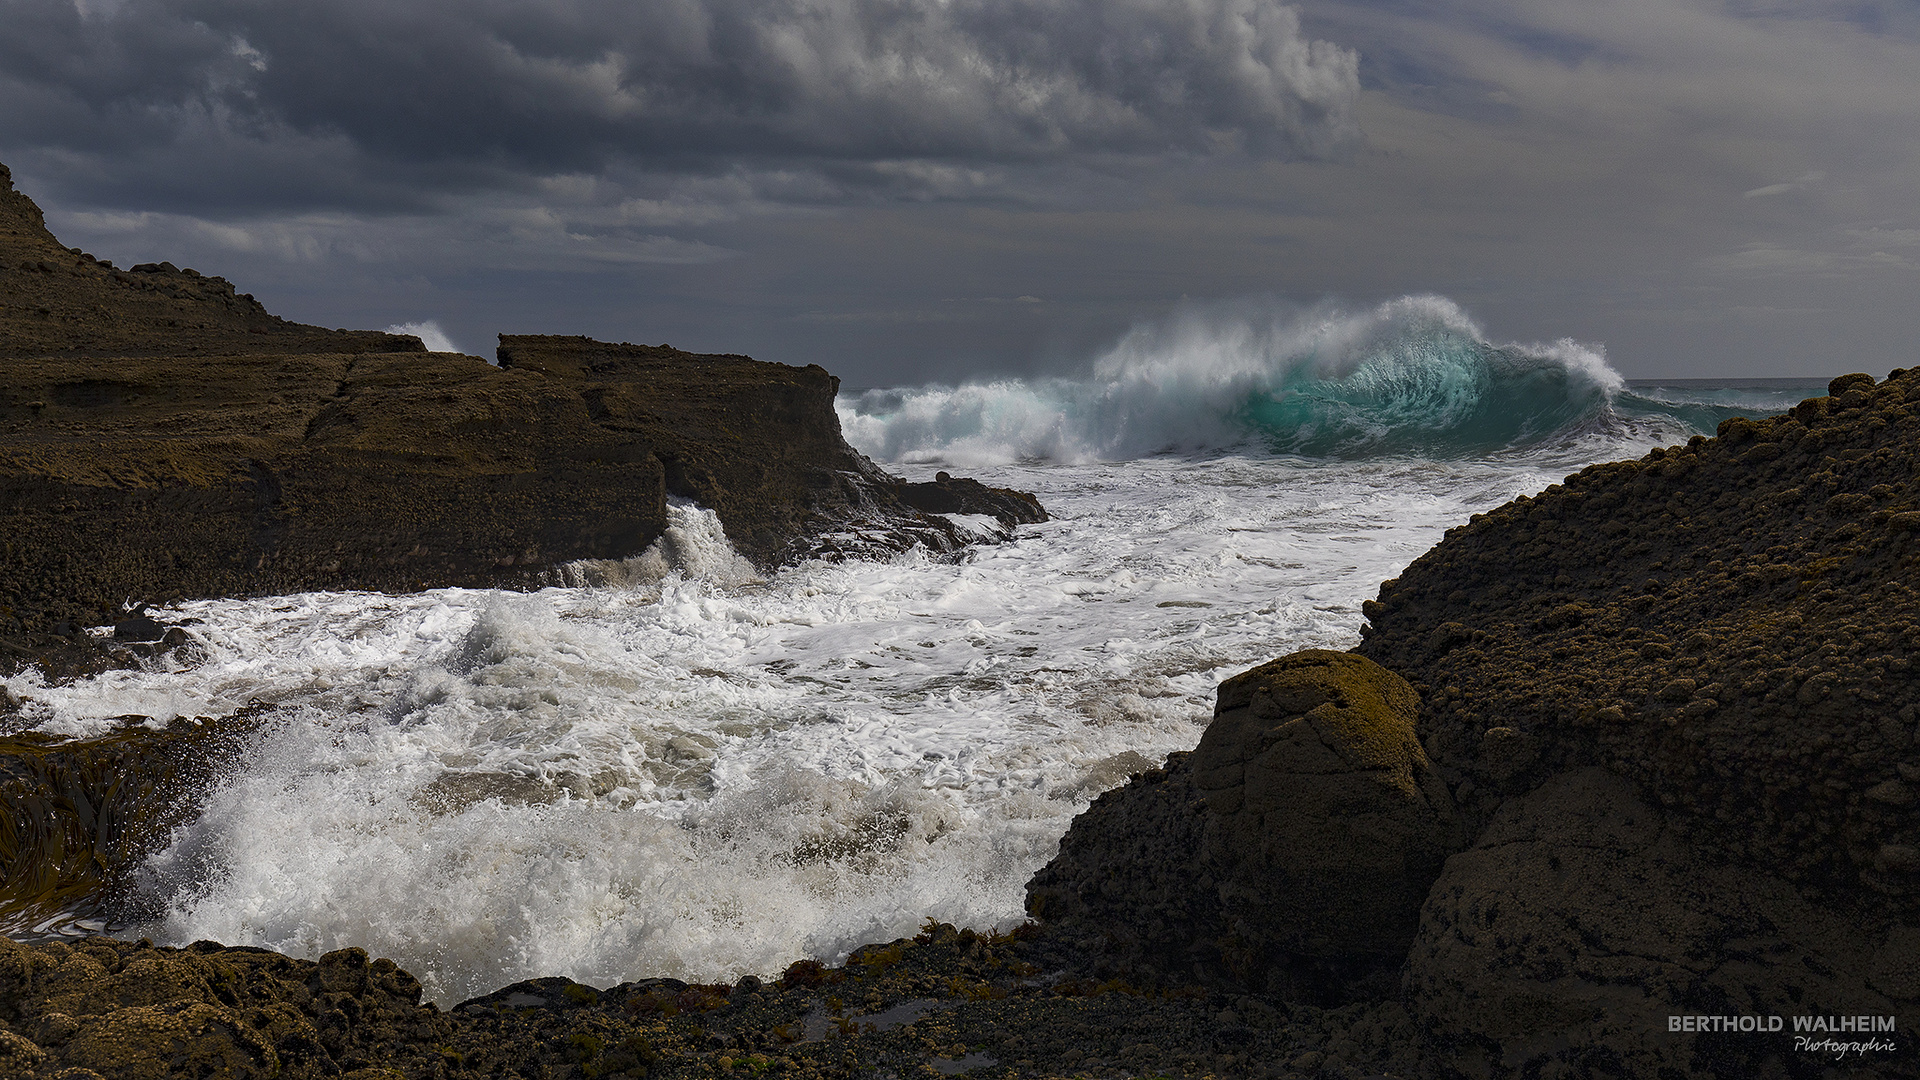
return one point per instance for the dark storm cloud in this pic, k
(369, 102)
(1704, 186)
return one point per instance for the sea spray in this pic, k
(694, 545)
(668, 767)
(690, 778)
(1414, 377)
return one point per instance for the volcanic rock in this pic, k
(1581, 919)
(162, 438)
(1289, 853)
(1730, 624)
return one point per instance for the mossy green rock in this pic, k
(1325, 824)
(1288, 853)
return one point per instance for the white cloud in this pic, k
(1781, 189)
(1769, 258)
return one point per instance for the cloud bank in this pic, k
(362, 104)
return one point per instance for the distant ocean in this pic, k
(704, 773)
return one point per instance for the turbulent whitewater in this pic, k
(1413, 377)
(674, 766)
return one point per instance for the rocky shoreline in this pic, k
(162, 438)
(1644, 746)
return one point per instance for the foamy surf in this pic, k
(1414, 377)
(703, 777)
(670, 765)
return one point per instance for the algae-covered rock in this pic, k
(155, 1042)
(1325, 822)
(127, 1009)
(76, 815)
(1290, 852)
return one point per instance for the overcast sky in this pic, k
(909, 190)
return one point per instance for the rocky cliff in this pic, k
(1641, 746)
(61, 301)
(163, 437)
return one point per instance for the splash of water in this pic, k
(1413, 376)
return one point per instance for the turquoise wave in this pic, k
(1412, 377)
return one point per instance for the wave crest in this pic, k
(1412, 376)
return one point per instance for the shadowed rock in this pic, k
(161, 438)
(1582, 919)
(1731, 624)
(1288, 853)
(1325, 824)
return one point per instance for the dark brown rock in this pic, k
(1325, 822)
(77, 815)
(160, 439)
(1561, 942)
(936, 1003)
(1730, 624)
(1289, 853)
(60, 301)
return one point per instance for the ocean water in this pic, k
(688, 768)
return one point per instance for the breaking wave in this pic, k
(1411, 377)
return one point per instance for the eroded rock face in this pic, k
(161, 438)
(1731, 624)
(1581, 919)
(1288, 853)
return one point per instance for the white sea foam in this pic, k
(1411, 376)
(696, 774)
(671, 766)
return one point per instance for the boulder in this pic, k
(1289, 853)
(1325, 824)
(1583, 918)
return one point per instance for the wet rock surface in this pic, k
(77, 815)
(161, 438)
(944, 1003)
